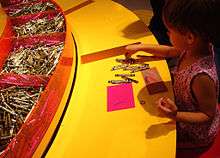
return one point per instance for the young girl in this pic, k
(195, 81)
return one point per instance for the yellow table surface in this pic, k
(68, 4)
(88, 130)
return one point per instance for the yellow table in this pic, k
(3, 20)
(87, 129)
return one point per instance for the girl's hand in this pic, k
(132, 49)
(167, 106)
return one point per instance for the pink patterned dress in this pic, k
(194, 134)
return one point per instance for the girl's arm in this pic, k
(191, 117)
(203, 88)
(156, 50)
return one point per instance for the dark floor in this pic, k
(135, 4)
(141, 8)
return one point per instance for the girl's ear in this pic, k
(190, 38)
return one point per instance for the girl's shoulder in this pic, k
(205, 65)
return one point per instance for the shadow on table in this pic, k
(136, 30)
(150, 100)
(158, 130)
(161, 129)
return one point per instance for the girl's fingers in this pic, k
(171, 104)
(159, 101)
(169, 101)
(167, 106)
(128, 55)
(167, 110)
(162, 105)
(132, 47)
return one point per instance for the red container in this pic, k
(12, 44)
(21, 20)
(14, 8)
(6, 3)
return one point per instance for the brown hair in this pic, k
(201, 17)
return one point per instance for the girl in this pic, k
(195, 81)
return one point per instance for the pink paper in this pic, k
(120, 97)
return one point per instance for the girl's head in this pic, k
(192, 19)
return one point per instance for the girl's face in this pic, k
(177, 39)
